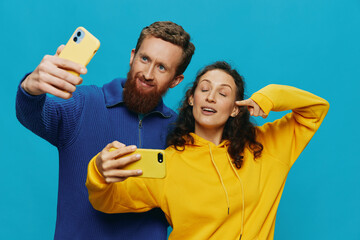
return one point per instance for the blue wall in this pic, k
(313, 45)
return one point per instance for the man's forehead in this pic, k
(162, 50)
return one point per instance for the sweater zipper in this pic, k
(140, 127)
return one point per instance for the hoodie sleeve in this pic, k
(131, 195)
(287, 137)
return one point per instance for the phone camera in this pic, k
(78, 34)
(75, 39)
(160, 158)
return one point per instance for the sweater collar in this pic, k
(113, 93)
(199, 141)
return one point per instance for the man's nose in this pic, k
(149, 72)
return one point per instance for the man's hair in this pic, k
(173, 33)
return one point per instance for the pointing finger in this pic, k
(246, 102)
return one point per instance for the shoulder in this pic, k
(93, 92)
(170, 152)
(173, 115)
(116, 84)
(88, 90)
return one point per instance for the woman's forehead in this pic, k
(218, 77)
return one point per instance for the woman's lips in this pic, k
(208, 110)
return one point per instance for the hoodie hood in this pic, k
(201, 142)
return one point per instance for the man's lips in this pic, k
(145, 84)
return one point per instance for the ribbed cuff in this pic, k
(264, 102)
(26, 94)
(94, 178)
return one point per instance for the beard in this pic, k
(140, 101)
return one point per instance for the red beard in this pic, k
(139, 101)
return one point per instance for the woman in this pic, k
(225, 177)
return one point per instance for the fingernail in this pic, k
(133, 147)
(139, 172)
(138, 156)
(82, 70)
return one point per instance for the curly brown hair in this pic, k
(238, 130)
(173, 33)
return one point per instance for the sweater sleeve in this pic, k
(51, 118)
(287, 137)
(132, 195)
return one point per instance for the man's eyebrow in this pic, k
(165, 65)
(144, 55)
(160, 63)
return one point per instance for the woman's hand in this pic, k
(113, 158)
(252, 107)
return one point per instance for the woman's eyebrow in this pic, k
(222, 85)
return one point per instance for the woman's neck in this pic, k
(212, 135)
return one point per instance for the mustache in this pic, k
(142, 78)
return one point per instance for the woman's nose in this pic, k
(211, 97)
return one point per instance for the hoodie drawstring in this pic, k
(226, 194)
(221, 180)
(242, 191)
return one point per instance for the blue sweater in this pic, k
(81, 127)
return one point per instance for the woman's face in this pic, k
(214, 100)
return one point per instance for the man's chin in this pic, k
(140, 100)
(143, 91)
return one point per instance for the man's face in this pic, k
(152, 72)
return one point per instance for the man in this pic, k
(81, 121)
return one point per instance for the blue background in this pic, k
(310, 44)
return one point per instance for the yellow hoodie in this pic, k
(203, 195)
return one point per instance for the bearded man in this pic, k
(80, 121)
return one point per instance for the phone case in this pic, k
(152, 163)
(81, 47)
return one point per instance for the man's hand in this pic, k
(110, 163)
(50, 76)
(252, 107)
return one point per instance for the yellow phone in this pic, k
(80, 48)
(152, 163)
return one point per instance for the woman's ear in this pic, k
(191, 100)
(235, 111)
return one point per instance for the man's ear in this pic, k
(235, 111)
(132, 56)
(176, 81)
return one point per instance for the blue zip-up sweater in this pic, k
(81, 127)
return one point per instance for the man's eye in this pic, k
(144, 59)
(162, 68)
(204, 90)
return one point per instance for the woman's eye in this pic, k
(222, 94)
(204, 90)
